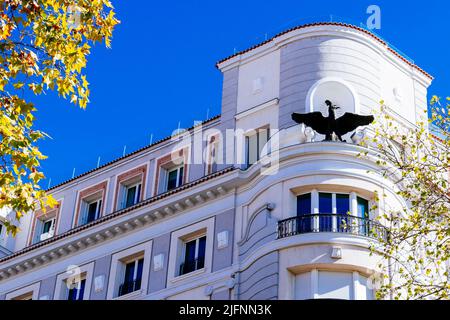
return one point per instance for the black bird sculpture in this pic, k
(327, 126)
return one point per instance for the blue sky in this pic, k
(161, 68)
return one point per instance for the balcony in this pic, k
(335, 223)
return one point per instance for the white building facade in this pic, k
(253, 209)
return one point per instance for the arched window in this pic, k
(337, 91)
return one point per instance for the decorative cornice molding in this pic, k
(128, 225)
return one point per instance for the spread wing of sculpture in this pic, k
(329, 125)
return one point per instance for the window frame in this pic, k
(195, 238)
(176, 253)
(180, 175)
(355, 282)
(167, 163)
(129, 178)
(87, 195)
(32, 290)
(137, 195)
(41, 216)
(98, 210)
(214, 143)
(126, 262)
(61, 289)
(256, 132)
(352, 196)
(117, 270)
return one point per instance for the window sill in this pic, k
(188, 275)
(129, 296)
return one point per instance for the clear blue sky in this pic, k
(161, 68)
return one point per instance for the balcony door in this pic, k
(304, 218)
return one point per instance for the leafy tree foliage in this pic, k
(416, 158)
(44, 45)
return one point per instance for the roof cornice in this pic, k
(222, 64)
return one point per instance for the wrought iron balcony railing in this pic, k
(338, 223)
(192, 265)
(129, 287)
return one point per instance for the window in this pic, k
(76, 291)
(131, 194)
(130, 188)
(213, 155)
(324, 284)
(93, 210)
(174, 178)
(171, 171)
(132, 277)
(363, 208)
(191, 250)
(130, 271)
(255, 144)
(194, 255)
(304, 209)
(27, 293)
(46, 229)
(342, 204)
(74, 283)
(44, 224)
(332, 212)
(90, 204)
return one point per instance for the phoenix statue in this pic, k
(329, 125)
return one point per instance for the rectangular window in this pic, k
(91, 211)
(132, 277)
(132, 195)
(342, 204)
(255, 144)
(76, 292)
(325, 207)
(194, 255)
(174, 178)
(304, 204)
(363, 208)
(47, 229)
(213, 155)
(304, 224)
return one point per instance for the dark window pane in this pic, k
(78, 290)
(325, 203)
(201, 252)
(140, 268)
(363, 208)
(342, 203)
(82, 285)
(190, 251)
(325, 207)
(172, 180)
(129, 272)
(304, 204)
(131, 194)
(92, 210)
(47, 226)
